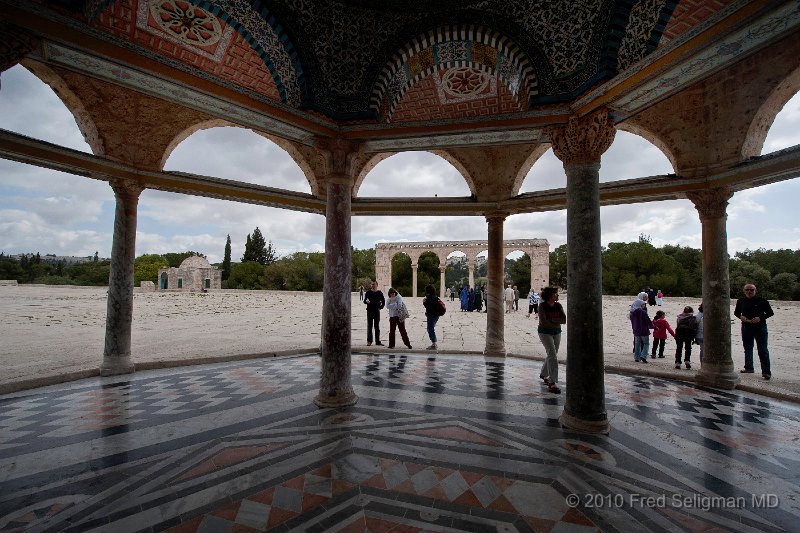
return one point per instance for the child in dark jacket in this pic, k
(685, 331)
(660, 334)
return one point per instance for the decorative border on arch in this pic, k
(480, 48)
(260, 29)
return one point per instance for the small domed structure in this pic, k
(194, 274)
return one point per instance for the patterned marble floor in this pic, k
(444, 443)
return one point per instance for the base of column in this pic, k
(584, 426)
(494, 350)
(340, 399)
(717, 376)
(114, 365)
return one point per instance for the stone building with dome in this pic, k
(194, 274)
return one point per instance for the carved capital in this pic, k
(15, 45)
(583, 139)
(711, 203)
(126, 188)
(336, 156)
(496, 217)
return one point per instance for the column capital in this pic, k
(711, 203)
(582, 139)
(336, 156)
(126, 187)
(496, 216)
(442, 268)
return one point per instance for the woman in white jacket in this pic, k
(395, 306)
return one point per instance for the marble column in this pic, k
(495, 316)
(119, 313)
(335, 389)
(717, 369)
(471, 271)
(441, 280)
(413, 280)
(579, 145)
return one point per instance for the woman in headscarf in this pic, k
(464, 296)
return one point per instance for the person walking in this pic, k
(551, 317)
(533, 302)
(754, 311)
(508, 296)
(375, 302)
(659, 298)
(432, 313)
(662, 327)
(478, 300)
(397, 316)
(516, 298)
(685, 331)
(360, 293)
(483, 296)
(464, 297)
(453, 292)
(698, 337)
(641, 326)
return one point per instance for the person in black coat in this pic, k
(375, 302)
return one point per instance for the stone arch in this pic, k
(463, 45)
(72, 102)
(287, 146)
(767, 112)
(526, 167)
(537, 249)
(652, 138)
(373, 161)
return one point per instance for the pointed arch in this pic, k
(767, 112)
(463, 45)
(71, 101)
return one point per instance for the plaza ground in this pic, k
(53, 333)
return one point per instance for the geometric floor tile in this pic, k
(435, 443)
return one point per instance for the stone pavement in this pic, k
(53, 334)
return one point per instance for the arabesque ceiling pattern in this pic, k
(355, 60)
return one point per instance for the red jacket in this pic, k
(662, 327)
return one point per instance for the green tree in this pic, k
(401, 274)
(519, 270)
(145, 268)
(558, 267)
(226, 261)
(255, 249)
(90, 273)
(783, 286)
(457, 272)
(428, 272)
(743, 271)
(630, 267)
(174, 259)
(363, 267)
(247, 275)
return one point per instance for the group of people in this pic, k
(511, 297)
(375, 301)
(752, 311)
(471, 299)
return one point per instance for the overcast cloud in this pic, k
(51, 212)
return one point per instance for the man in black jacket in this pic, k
(375, 302)
(754, 311)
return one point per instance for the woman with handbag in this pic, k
(397, 316)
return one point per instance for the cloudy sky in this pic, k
(51, 212)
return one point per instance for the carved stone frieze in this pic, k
(583, 139)
(711, 203)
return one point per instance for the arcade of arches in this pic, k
(489, 86)
(537, 250)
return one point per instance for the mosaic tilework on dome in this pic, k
(454, 443)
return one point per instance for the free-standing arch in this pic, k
(537, 249)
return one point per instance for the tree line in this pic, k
(627, 268)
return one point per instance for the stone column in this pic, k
(471, 270)
(717, 369)
(335, 389)
(119, 313)
(413, 280)
(495, 316)
(441, 280)
(579, 146)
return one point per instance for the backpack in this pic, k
(440, 307)
(686, 327)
